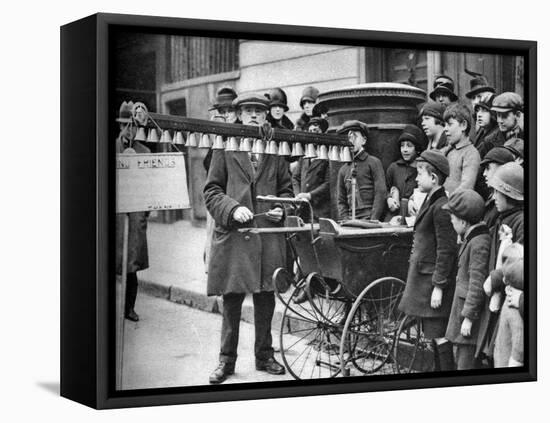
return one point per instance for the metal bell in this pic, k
(178, 138)
(297, 150)
(323, 152)
(258, 147)
(140, 135)
(310, 151)
(205, 141)
(245, 145)
(166, 137)
(153, 136)
(192, 140)
(345, 155)
(284, 149)
(334, 154)
(272, 148)
(232, 144)
(218, 143)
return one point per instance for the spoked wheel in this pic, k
(282, 281)
(413, 353)
(309, 342)
(327, 298)
(367, 344)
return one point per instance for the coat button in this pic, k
(247, 237)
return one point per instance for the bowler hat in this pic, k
(354, 125)
(277, 97)
(434, 109)
(479, 84)
(436, 159)
(445, 85)
(125, 112)
(224, 98)
(498, 155)
(466, 204)
(415, 135)
(309, 94)
(515, 146)
(508, 180)
(317, 120)
(251, 99)
(507, 102)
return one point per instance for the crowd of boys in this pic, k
(459, 182)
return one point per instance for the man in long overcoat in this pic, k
(243, 263)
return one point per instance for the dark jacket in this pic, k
(469, 298)
(433, 259)
(138, 257)
(371, 190)
(487, 138)
(302, 122)
(313, 177)
(402, 175)
(441, 143)
(491, 213)
(243, 262)
(488, 320)
(284, 123)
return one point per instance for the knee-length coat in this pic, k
(433, 260)
(244, 262)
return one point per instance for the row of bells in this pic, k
(257, 146)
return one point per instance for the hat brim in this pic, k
(280, 104)
(502, 109)
(323, 124)
(304, 99)
(480, 89)
(252, 103)
(124, 120)
(443, 90)
(220, 105)
(422, 159)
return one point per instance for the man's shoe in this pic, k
(222, 371)
(132, 315)
(271, 366)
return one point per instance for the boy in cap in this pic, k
(401, 174)
(509, 107)
(370, 188)
(432, 123)
(467, 208)
(463, 157)
(243, 262)
(131, 116)
(492, 161)
(507, 183)
(443, 90)
(311, 178)
(307, 102)
(515, 146)
(429, 290)
(277, 109)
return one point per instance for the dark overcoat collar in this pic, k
(428, 202)
(478, 229)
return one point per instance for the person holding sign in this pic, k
(130, 116)
(243, 263)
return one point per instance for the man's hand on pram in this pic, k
(242, 214)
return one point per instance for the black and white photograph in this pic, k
(301, 211)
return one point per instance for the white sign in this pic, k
(148, 182)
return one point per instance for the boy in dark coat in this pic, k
(370, 188)
(243, 263)
(429, 290)
(467, 208)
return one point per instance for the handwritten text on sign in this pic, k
(147, 182)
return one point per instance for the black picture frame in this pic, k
(87, 199)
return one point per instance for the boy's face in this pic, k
(314, 128)
(501, 202)
(308, 107)
(483, 117)
(443, 99)
(277, 112)
(489, 170)
(408, 151)
(507, 120)
(228, 113)
(429, 126)
(426, 182)
(460, 226)
(454, 130)
(252, 115)
(357, 139)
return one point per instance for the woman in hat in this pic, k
(443, 90)
(277, 109)
(307, 102)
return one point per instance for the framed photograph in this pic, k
(258, 211)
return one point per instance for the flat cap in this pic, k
(434, 109)
(515, 146)
(498, 155)
(317, 120)
(466, 204)
(354, 125)
(251, 99)
(506, 102)
(508, 180)
(436, 159)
